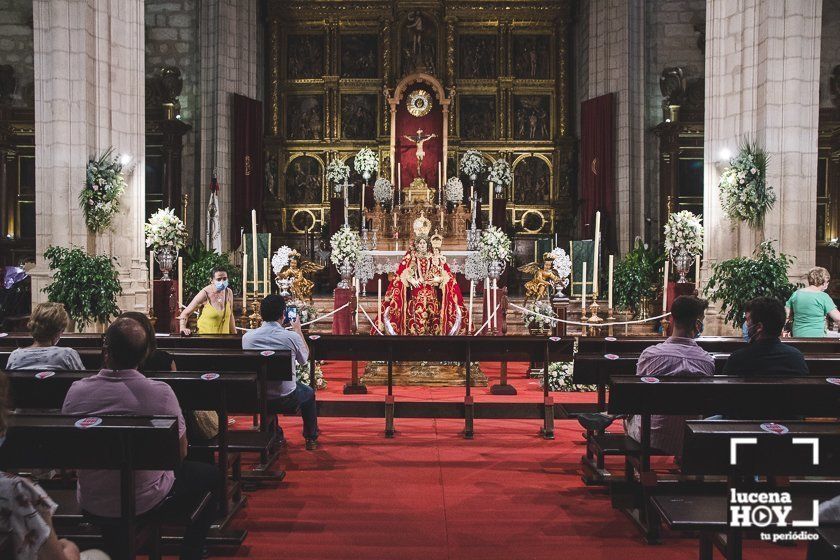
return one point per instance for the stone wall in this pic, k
(16, 48)
(580, 62)
(830, 47)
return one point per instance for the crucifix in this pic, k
(345, 186)
(419, 140)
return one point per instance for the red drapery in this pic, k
(248, 167)
(407, 125)
(597, 164)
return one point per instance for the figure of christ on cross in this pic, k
(419, 140)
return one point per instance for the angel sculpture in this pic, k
(540, 286)
(301, 287)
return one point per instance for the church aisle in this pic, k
(429, 494)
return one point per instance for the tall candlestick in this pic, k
(151, 279)
(245, 285)
(490, 198)
(265, 277)
(610, 283)
(399, 186)
(362, 207)
(346, 216)
(254, 246)
(358, 304)
(470, 310)
(665, 289)
(495, 304)
(697, 273)
(440, 187)
(180, 284)
(379, 303)
(597, 255)
(583, 294)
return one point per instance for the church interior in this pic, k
(420, 279)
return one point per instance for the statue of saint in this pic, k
(301, 286)
(423, 298)
(419, 140)
(540, 286)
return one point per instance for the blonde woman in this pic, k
(46, 324)
(216, 301)
(810, 305)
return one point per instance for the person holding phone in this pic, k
(285, 397)
(216, 300)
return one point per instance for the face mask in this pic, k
(221, 285)
(699, 330)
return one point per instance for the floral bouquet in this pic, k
(494, 246)
(472, 163)
(561, 264)
(684, 232)
(280, 260)
(500, 173)
(454, 190)
(383, 191)
(337, 172)
(535, 321)
(100, 197)
(744, 193)
(560, 378)
(834, 242)
(346, 246)
(366, 162)
(165, 229)
(302, 374)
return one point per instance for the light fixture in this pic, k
(178, 116)
(125, 159)
(667, 120)
(725, 154)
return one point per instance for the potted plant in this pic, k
(537, 325)
(736, 281)
(166, 234)
(87, 285)
(636, 279)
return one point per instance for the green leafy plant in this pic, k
(638, 276)
(736, 281)
(87, 285)
(199, 261)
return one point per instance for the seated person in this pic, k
(156, 359)
(679, 354)
(765, 354)
(121, 389)
(285, 397)
(46, 324)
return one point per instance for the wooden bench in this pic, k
(122, 443)
(713, 344)
(708, 450)
(225, 393)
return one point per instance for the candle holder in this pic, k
(610, 319)
(594, 319)
(255, 319)
(665, 324)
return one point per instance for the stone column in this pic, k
(616, 64)
(228, 39)
(89, 96)
(762, 80)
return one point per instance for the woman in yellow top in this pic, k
(217, 311)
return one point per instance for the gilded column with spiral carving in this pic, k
(563, 76)
(275, 77)
(386, 72)
(450, 50)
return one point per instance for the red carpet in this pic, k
(430, 494)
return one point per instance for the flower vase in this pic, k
(346, 271)
(166, 257)
(494, 270)
(285, 285)
(559, 296)
(682, 264)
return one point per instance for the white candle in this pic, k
(490, 198)
(597, 255)
(665, 289)
(535, 252)
(583, 294)
(379, 302)
(362, 208)
(610, 283)
(180, 284)
(254, 245)
(697, 272)
(244, 284)
(470, 310)
(151, 279)
(358, 303)
(440, 188)
(487, 301)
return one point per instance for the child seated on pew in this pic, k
(46, 324)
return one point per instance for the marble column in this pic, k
(89, 96)
(762, 80)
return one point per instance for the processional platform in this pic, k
(424, 373)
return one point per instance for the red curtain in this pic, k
(248, 167)
(407, 125)
(597, 164)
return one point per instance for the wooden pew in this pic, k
(163, 341)
(226, 393)
(463, 349)
(759, 397)
(707, 451)
(714, 344)
(121, 443)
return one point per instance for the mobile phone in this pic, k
(291, 313)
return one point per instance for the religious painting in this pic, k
(305, 57)
(359, 56)
(477, 56)
(531, 181)
(417, 47)
(358, 117)
(478, 117)
(304, 181)
(531, 117)
(305, 117)
(531, 57)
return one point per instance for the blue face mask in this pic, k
(221, 285)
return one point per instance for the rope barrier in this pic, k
(359, 306)
(315, 320)
(556, 320)
(487, 322)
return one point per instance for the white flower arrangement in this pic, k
(100, 197)
(475, 268)
(495, 246)
(543, 308)
(366, 162)
(472, 163)
(744, 193)
(500, 173)
(337, 171)
(165, 229)
(302, 374)
(684, 232)
(280, 260)
(346, 246)
(561, 264)
(383, 190)
(560, 376)
(454, 190)
(834, 242)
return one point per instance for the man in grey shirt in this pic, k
(285, 397)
